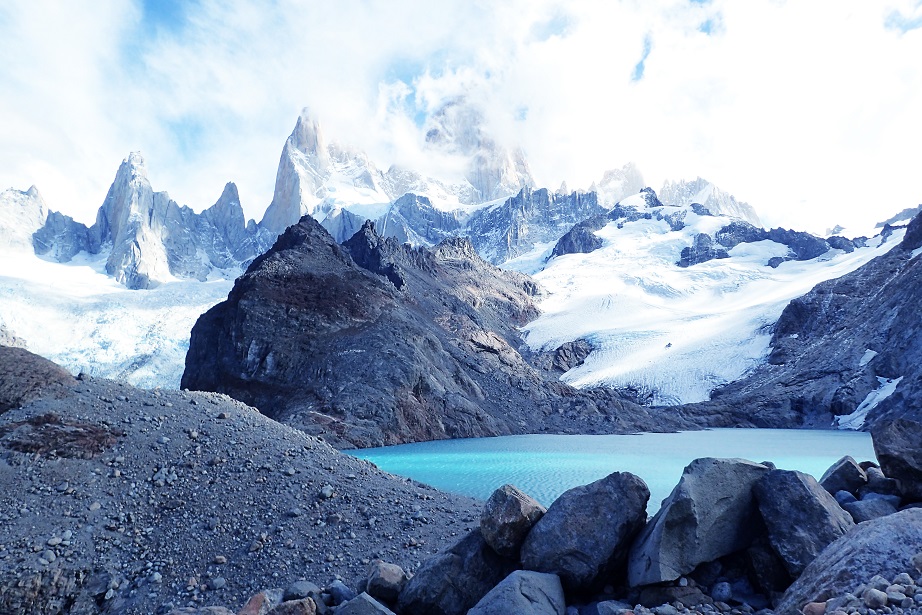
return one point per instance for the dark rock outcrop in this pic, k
(701, 251)
(585, 535)
(801, 517)
(581, 239)
(710, 513)
(453, 582)
(898, 447)
(373, 342)
(884, 546)
(526, 593)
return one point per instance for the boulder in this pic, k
(385, 581)
(452, 582)
(262, 603)
(585, 535)
(878, 483)
(300, 589)
(869, 508)
(526, 593)
(709, 514)
(801, 517)
(363, 604)
(898, 446)
(507, 518)
(844, 475)
(883, 546)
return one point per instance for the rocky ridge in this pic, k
(373, 342)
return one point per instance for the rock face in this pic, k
(801, 517)
(585, 535)
(898, 447)
(374, 342)
(150, 239)
(532, 216)
(701, 251)
(524, 592)
(507, 518)
(884, 546)
(710, 513)
(847, 351)
(455, 581)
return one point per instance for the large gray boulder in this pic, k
(801, 517)
(869, 508)
(844, 475)
(884, 546)
(898, 445)
(507, 518)
(454, 581)
(585, 535)
(526, 593)
(363, 604)
(709, 514)
(385, 581)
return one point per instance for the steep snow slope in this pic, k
(671, 334)
(81, 318)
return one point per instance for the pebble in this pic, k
(874, 598)
(54, 541)
(217, 583)
(326, 492)
(220, 559)
(95, 506)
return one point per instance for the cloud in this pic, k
(806, 110)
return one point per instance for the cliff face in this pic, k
(849, 349)
(373, 342)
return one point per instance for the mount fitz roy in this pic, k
(148, 238)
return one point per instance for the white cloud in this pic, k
(806, 110)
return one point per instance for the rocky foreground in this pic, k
(120, 500)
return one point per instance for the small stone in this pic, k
(340, 593)
(874, 598)
(49, 556)
(902, 579)
(666, 609)
(67, 535)
(326, 492)
(295, 512)
(54, 541)
(289, 471)
(63, 487)
(220, 559)
(223, 415)
(216, 583)
(163, 440)
(300, 589)
(155, 577)
(95, 506)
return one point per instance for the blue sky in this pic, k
(806, 110)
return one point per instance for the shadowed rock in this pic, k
(710, 513)
(585, 535)
(507, 518)
(526, 593)
(801, 517)
(898, 446)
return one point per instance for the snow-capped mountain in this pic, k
(148, 238)
(705, 193)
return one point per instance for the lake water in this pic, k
(544, 466)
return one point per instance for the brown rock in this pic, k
(814, 608)
(262, 603)
(304, 606)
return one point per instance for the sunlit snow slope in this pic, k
(671, 334)
(77, 316)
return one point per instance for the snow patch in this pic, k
(915, 253)
(856, 419)
(868, 355)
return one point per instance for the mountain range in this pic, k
(663, 297)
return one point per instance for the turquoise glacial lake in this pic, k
(544, 466)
